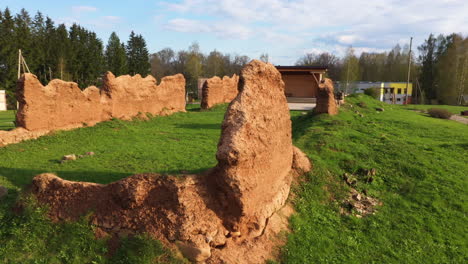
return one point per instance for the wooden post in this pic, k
(19, 75)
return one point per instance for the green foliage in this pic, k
(137, 55)
(421, 168)
(30, 237)
(439, 113)
(373, 92)
(351, 70)
(443, 75)
(116, 58)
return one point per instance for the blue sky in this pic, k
(285, 29)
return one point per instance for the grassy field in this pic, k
(421, 180)
(452, 109)
(6, 120)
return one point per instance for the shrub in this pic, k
(373, 92)
(439, 113)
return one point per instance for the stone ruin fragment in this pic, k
(218, 91)
(326, 103)
(229, 214)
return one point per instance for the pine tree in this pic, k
(115, 56)
(8, 57)
(137, 55)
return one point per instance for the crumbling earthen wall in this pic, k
(217, 91)
(326, 102)
(225, 215)
(18, 135)
(62, 105)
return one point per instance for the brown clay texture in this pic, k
(326, 103)
(218, 91)
(63, 105)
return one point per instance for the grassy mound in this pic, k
(421, 180)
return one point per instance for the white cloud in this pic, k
(329, 25)
(83, 9)
(220, 29)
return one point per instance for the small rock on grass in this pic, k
(90, 153)
(379, 109)
(69, 157)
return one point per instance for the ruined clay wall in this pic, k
(63, 105)
(130, 95)
(255, 153)
(228, 214)
(18, 135)
(219, 91)
(326, 102)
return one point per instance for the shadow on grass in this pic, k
(23, 177)
(193, 109)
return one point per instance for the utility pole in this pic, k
(409, 69)
(347, 78)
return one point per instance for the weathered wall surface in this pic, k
(225, 215)
(326, 102)
(62, 105)
(255, 153)
(18, 135)
(217, 91)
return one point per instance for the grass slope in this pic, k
(422, 171)
(452, 109)
(421, 181)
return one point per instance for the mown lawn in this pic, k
(6, 120)
(451, 108)
(421, 180)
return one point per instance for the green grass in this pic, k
(421, 179)
(451, 108)
(180, 143)
(6, 120)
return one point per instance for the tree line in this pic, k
(69, 53)
(77, 54)
(439, 74)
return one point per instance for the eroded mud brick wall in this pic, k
(217, 91)
(255, 152)
(63, 105)
(326, 103)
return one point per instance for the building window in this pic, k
(399, 91)
(398, 99)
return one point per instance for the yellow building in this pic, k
(396, 92)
